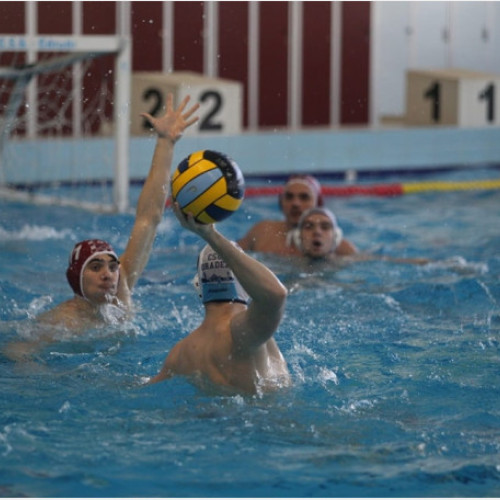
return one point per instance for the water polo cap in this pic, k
(81, 255)
(337, 231)
(215, 281)
(309, 181)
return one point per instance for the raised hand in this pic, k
(173, 123)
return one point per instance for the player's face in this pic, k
(317, 235)
(296, 199)
(100, 278)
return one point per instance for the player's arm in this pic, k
(255, 325)
(49, 326)
(346, 248)
(168, 368)
(152, 199)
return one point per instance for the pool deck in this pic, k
(278, 153)
(355, 149)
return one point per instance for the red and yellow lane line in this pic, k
(394, 189)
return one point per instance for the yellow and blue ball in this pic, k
(209, 185)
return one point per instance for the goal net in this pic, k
(64, 121)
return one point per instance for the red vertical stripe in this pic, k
(273, 57)
(12, 17)
(355, 62)
(54, 18)
(99, 18)
(188, 39)
(11, 22)
(233, 45)
(316, 63)
(146, 36)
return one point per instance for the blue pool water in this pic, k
(396, 367)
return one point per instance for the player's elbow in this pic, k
(282, 293)
(276, 298)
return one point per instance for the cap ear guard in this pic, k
(338, 234)
(196, 283)
(293, 236)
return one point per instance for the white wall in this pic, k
(428, 34)
(271, 154)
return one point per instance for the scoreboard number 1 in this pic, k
(488, 95)
(434, 94)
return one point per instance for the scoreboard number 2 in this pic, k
(210, 116)
(211, 119)
(154, 98)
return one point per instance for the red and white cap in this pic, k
(81, 255)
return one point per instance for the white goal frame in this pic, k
(79, 47)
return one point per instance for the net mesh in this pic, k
(56, 124)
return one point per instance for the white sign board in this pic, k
(452, 97)
(220, 101)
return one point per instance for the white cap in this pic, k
(216, 282)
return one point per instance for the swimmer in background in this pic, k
(300, 193)
(319, 235)
(233, 347)
(102, 281)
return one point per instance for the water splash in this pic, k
(30, 232)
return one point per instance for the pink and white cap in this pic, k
(309, 181)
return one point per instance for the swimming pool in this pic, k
(395, 366)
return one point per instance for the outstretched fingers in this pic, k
(173, 123)
(189, 121)
(147, 116)
(187, 116)
(186, 119)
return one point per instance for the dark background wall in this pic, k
(99, 18)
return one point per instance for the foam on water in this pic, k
(34, 233)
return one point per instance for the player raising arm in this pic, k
(102, 282)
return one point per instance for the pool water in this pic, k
(396, 367)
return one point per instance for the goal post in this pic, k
(68, 100)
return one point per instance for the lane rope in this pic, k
(393, 189)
